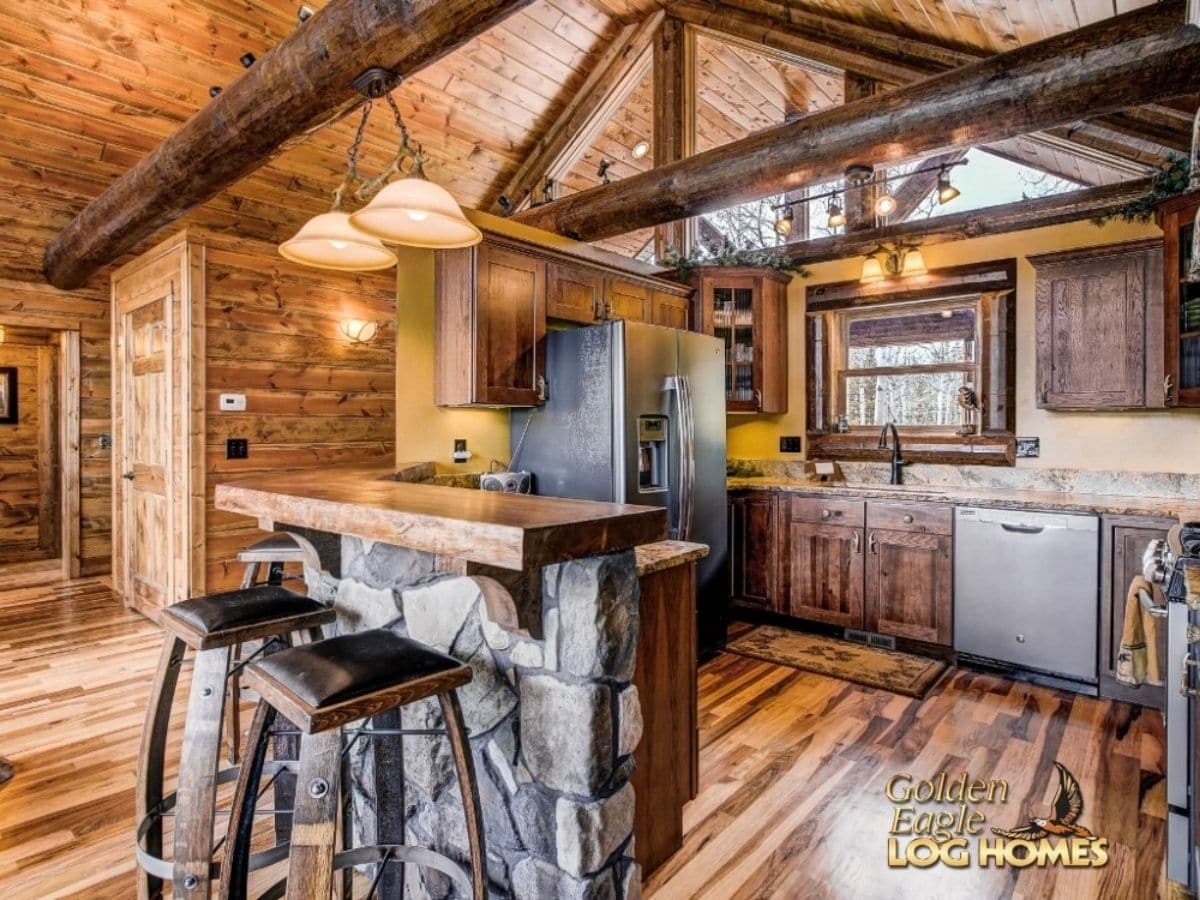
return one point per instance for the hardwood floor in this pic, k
(793, 767)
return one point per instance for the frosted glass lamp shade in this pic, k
(416, 212)
(872, 270)
(914, 264)
(328, 241)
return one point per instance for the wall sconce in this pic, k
(360, 331)
(898, 261)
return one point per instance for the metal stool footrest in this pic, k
(387, 854)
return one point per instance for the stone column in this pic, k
(553, 722)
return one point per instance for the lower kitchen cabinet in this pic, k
(752, 541)
(1122, 542)
(825, 573)
(909, 585)
(880, 565)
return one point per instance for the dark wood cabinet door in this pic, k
(629, 301)
(909, 585)
(1124, 538)
(1099, 327)
(510, 328)
(670, 310)
(1181, 302)
(752, 519)
(825, 574)
(576, 295)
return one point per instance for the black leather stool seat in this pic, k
(247, 614)
(327, 683)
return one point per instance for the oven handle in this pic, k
(1149, 606)
(1184, 690)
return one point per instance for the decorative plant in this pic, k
(727, 255)
(1172, 177)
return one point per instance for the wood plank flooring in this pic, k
(792, 769)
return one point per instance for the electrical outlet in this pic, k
(237, 448)
(790, 445)
(1029, 447)
(461, 454)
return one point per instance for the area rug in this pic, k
(891, 670)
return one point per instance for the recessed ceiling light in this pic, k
(640, 149)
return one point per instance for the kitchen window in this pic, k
(935, 355)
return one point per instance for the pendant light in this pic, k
(885, 205)
(872, 268)
(945, 190)
(837, 218)
(785, 221)
(329, 241)
(413, 211)
(913, 264)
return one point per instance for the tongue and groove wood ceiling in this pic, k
(88, 87)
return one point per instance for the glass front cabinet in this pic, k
(1181, 302)
(746, 308)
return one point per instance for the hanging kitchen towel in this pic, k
(1131, 657)
(1150, 633)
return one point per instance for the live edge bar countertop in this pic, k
(510, 531)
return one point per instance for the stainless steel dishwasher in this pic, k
(1027, 589)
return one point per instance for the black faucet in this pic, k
(897, 462)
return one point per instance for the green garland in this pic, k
(1171, 178)
(727, 257)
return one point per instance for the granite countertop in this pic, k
(655, 557)
(1056, 501)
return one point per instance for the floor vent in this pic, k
(857, 636)
(882, 641)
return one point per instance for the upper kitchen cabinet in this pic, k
(494, 301)
(1100, 327)
(1181, 302)
(490, 327)
(747, 309)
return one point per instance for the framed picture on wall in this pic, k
(8, 395)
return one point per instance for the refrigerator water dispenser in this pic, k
(652, 453)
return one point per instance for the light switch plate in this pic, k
(233, 403)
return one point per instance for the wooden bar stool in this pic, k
(274, 551)
(320, 687)
(209, 626)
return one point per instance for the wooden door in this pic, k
(1094, 312)
(670, 310)
(752, 530)
(908, 585)
(510, 328)
(629, 301)
(825, 573)
(574, 294)
(157, 470)
(1123, 540)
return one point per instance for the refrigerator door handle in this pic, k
(687, 455)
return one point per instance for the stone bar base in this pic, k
(553, 723)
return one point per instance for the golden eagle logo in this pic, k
(1064, 815)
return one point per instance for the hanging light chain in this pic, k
(352, 176)
(405, 152)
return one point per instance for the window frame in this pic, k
(991, 288)
(840, 357)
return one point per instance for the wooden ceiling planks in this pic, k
(85, 100)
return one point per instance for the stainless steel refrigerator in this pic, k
(636, 414)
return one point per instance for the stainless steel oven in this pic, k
(1175, 563)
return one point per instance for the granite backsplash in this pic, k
(1075, 481)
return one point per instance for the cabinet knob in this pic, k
(908, 519)
(1020, 638)
(825, 513)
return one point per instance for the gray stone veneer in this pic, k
(553, 723)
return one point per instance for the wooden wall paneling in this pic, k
(23, 477)
(313, 397)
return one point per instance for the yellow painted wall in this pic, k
(1136, 441)
(425, 431)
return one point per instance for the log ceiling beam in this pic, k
(301, 85)
(917, 186)
(1008, 217)
(1128, 60)
(869, 53)
(615, 77)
